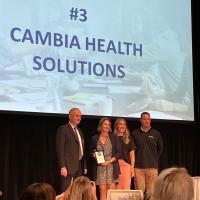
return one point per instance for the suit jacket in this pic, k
(67, 148)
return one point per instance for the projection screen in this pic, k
(109, 58)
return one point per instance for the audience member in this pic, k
(39, 191)
(127, 160)
(83, 189)
(173, 184)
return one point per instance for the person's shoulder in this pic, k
(155, 131)
(63, 127)
(113, 135)
(114, 138)
(95, 137)
(136, 131)
(130, 138)
(60, 127)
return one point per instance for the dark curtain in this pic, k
(27, 149)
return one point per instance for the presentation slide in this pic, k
(109, 58)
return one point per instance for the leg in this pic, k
(103, 191)
(150, 176)
(125, 176)
(110, 187)
(139, 179)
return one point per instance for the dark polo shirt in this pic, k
(149, 146)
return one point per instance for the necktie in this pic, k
(80, 144)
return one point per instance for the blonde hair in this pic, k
(102, 120)
(82, 189)
(125, 134)
(173, 184)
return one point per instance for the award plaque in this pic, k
(99, 157)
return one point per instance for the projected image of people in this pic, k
(164, 74)
(165, 83)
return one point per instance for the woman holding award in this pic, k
(127, 160)
(106, 150)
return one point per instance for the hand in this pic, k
(106, 163)
(63, 171)
(132, 172)
(85, 171)
(94, 155)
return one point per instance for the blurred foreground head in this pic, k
(39, 191)
(83, 189)
(173, 184)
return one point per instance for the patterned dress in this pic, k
(105, 173)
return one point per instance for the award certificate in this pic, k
(100, 157)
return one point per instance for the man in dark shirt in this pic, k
(149, 147)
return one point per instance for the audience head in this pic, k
(121, 129)
(39, 191)
(83, 189)
(104, 123)
(173, 184)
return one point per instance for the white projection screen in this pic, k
(109, 58)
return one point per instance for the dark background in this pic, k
(27, 141)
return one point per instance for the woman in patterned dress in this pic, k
(107, 173)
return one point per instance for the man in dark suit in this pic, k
(70, 149)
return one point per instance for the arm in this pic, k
(132, 158)
(116, 151)
(84, 160)
(93, 147)
(117, 148)
(85, 166)
(132, 155)
(60, 142)
(84, 151)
